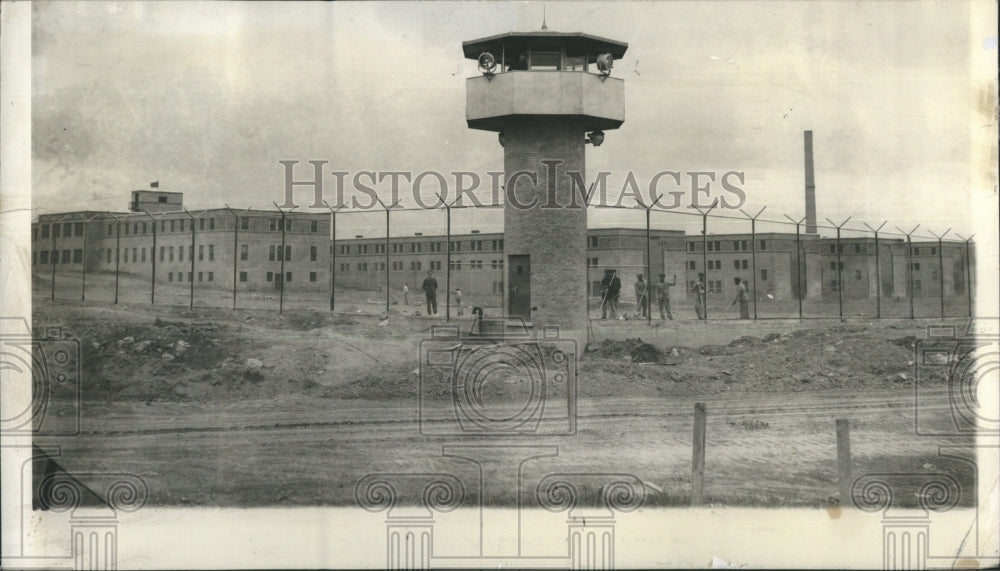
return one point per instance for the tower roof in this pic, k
(517, 41)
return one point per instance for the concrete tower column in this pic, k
(545, 221)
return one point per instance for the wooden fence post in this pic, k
(698, 456)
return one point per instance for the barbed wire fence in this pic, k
(840, 271)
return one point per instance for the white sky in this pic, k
(208, 97)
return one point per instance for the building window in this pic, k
(312, 275)
(211, 252)
(345, 267)
(272, 225)
(916, 251)
(201, 252)
(312, 253)
(744, 265)
(934, 251)
(180, 253)
(691, 264)
(172, 253)
(288, 277)
(456, 265)
(244, 252)
(270, 277)
(170, 276)
(763, 275)
(201, 223)
(244, 223)
(77, 256)
(456, 246)
(857, 248)
(288, 253)
(736, 264)
(78, 228)
(108, 261)
(45, 230)
(143, 252)
(211, 223)
(44, 256)
(161, 199)
(763, 245)
(199, 276)
(211, 276)
(475, 264)
(125, 257)
(243, 277)
(172, 225)
(591, 242)
(314, 227)
(714, 286)
(270, 252)
(591, 262)
(162, 251)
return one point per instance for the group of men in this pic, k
(611, 287)
(611, 290)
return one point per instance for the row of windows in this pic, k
(456, 265)
(58, 230)
(180, 276)
(67, 257)
(417, 247)
(166, 254)
(738, 245)
(717, 264)
(183, 225)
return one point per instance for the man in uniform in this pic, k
(641, 296)
(611, 286)
(699, 296)
(663, 296)
(430, 292)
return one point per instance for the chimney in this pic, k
(810, 185)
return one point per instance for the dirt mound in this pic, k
(633, 350)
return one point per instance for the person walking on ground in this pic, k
(611, 287)
(699, 296)
(641, 297)
(663, 296)
(458, 301)
(406, 294)
(430, 287)
(743, 297)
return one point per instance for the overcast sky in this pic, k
(206, 98)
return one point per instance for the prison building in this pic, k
(247, 246)
(210, 239)
(624, 250)
(477, 262)
(785, 268)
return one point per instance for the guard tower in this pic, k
(547, 94)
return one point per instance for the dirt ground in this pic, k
(249, 407)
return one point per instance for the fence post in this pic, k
(236, 248)
(909, 265)
(333, 250)
(941, 268)
(281, 284)
(55, 255)
(753, 254)
(840, 269)
(704, 254)
(968, 272)
(118, 251)
(649, 264)
(878, 273)
(191, 255)
(152, 279)
(698, 456)
(798, 261)
(844, 461)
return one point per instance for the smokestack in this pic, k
(810, 185)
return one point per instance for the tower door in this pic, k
(519, 278)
